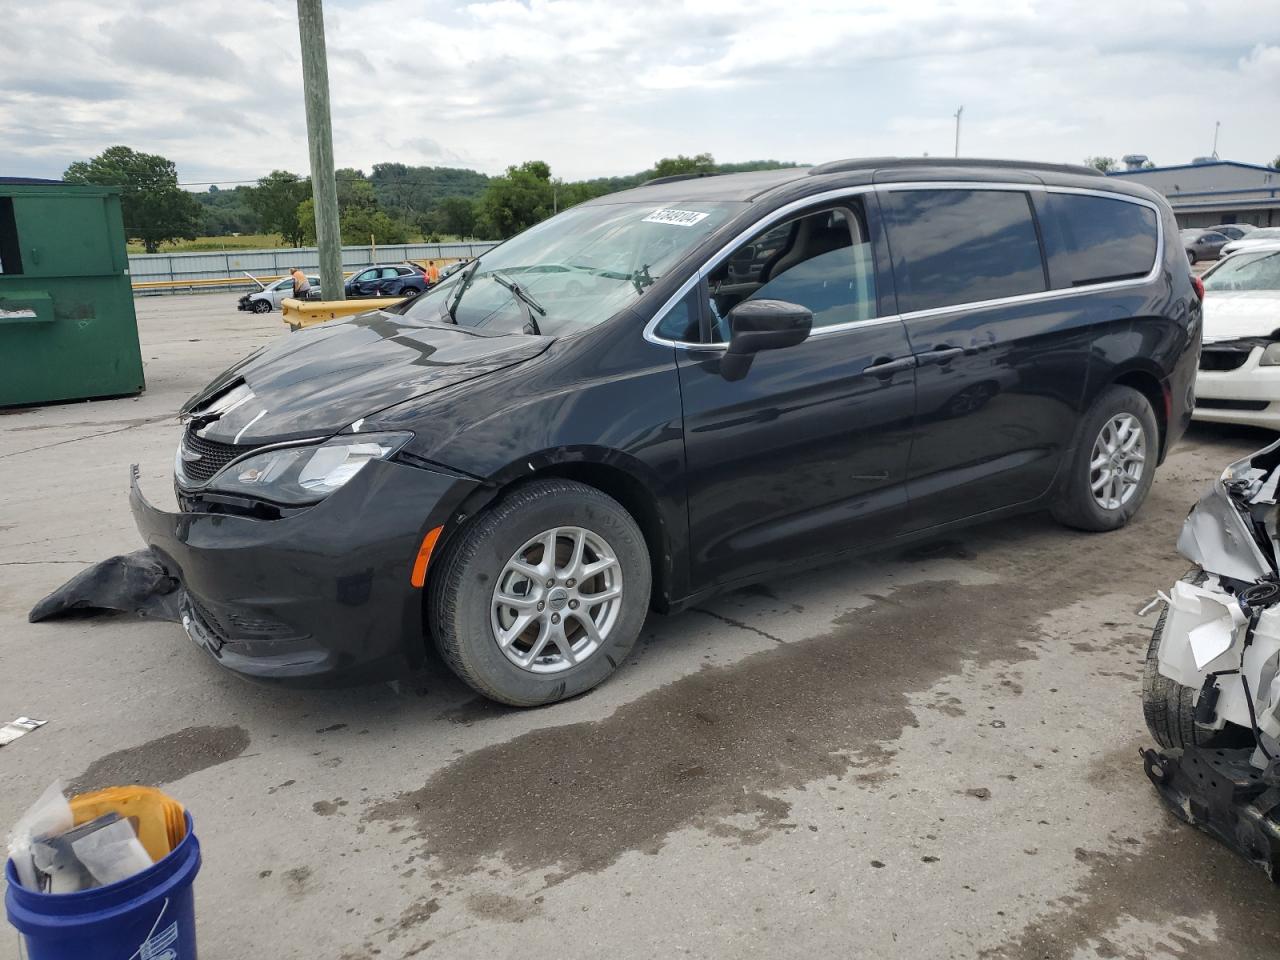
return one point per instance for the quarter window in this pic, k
(821, 260)
(1099, 239)
(953, 247)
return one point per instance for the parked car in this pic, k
(1239, 376)
(1233, 231)
(268, 296)
(517, 473)
(386, 280)
(1203, 244)
(1263, 235)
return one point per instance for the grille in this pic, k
(1218, 360)
(1232, 404)
(213, 456)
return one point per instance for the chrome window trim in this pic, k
(650, 329)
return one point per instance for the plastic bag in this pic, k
(51, 814)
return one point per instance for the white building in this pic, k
(1210, 192)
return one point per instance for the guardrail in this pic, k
(160, 273)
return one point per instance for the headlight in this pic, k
(298, 475)
(1270, 356)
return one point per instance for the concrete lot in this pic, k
(926, 754)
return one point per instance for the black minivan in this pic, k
(671, 391)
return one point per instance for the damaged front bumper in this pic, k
(321, 596)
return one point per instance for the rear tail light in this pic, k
(1198, 285)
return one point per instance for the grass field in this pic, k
(246, 241)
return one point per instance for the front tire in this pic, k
(542, 596)
(261, 306)
(1170, 708)
(1112, 464)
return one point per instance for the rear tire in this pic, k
(1102, 429)
(1170, 708)
(478, 570)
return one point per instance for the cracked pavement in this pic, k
(929, 752)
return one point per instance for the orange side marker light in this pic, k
(419, 576)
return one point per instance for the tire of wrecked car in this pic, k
(1169, 708)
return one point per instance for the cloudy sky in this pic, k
(600, 88)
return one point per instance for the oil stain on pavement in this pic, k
(1168, 881)
(709, 746)
(165, 759)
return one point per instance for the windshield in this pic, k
(1250, 270)
(573, 271)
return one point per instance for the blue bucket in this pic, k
(149, 916)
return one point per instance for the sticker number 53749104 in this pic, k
(676, 218)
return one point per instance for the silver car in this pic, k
(269, 295)
(1203, 244)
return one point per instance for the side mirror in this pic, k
(757, 325)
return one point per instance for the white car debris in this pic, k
(1211, 695)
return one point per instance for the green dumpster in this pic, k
(67, 326)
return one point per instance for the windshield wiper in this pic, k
(452, 310)
(530, 304)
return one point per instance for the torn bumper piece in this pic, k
(319, 597)
(1224, 794)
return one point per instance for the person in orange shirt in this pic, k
(433, 273)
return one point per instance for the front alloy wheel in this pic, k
(541, 596)
(557, 600)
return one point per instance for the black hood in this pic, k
(314, 382)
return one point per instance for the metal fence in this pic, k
(158, 273)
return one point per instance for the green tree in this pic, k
(457, 215)
(1105, 164)
(1276, 162)
(275, 200)
(155, 209)
(517, 200)
(680, 164)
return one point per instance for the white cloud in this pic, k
(602, 87)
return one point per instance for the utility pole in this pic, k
(957, 116)
(1216, 125)
(315, 87)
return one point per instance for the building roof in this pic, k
(1192, 166)
(26, 181)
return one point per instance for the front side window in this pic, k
(820, 260)
(952, 247)
(1099, 239)
(574, 270)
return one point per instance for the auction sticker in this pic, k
(676, 218)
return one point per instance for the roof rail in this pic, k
(882, 163)
(675, 177)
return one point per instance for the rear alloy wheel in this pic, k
(542, 596)
(261, 306)
(1112, 464)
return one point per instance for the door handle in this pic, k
(940, 355)
(886, 367)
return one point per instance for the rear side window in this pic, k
(1099, 239)
(952, 247)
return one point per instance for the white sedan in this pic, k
(1239, 376)
(1254, 238)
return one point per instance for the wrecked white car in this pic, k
(1211, 695)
